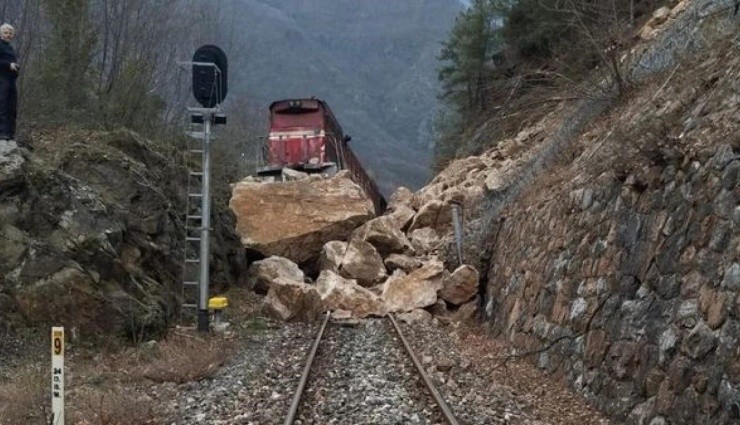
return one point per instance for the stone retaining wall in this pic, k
(631, 289)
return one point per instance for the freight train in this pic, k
(305, 135)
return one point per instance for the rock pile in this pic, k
(378, 266)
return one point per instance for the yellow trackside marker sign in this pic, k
(57, 375)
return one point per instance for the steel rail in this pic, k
(306, 371)
(449, 416)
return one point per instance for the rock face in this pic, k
(91, 236)
(261, 273)
(11, 163)
(339, 293)
(293, 301)
(295, 219)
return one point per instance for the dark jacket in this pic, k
(7, 56)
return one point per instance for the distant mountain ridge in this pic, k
(374, 62)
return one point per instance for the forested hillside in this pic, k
(374, 62)
(104, 64)
(508, 63)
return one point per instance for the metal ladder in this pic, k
(193, 225)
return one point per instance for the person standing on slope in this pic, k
(8, 75)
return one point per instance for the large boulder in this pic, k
(362, 262)
(418, 289)
(293, 301)
(295, 219)
(461, 286)
(339, 293)
(262, 273)
(384, 235)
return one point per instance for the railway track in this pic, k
(394, 386)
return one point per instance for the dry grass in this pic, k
(23, 400)
(110, 387)
(184, 358)
(113, 406)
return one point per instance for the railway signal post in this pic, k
(210, 70)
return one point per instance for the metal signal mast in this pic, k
(210, 77)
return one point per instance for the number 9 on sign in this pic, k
(58, 343)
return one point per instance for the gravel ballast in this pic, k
(362, 375)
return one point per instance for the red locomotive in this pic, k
(305, 136)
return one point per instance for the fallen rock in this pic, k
(445, 364)
(383, 234)
(293, 301)
(339, 293)
(424, 240)
(401, 197)
(439, 308)
(495, 181)
(418, 289)
(461, 286)
(331, 255)
(435, 214)
(340, 314)
(466, 313)
(402, 262)
(417, 315)
(295, 219)
(362, 262)
(401, 217)
(262, 273)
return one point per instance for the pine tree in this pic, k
(467, 56)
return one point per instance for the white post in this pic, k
(57, 375)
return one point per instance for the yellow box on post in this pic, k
(217, 304)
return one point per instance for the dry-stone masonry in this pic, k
(634, 287)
